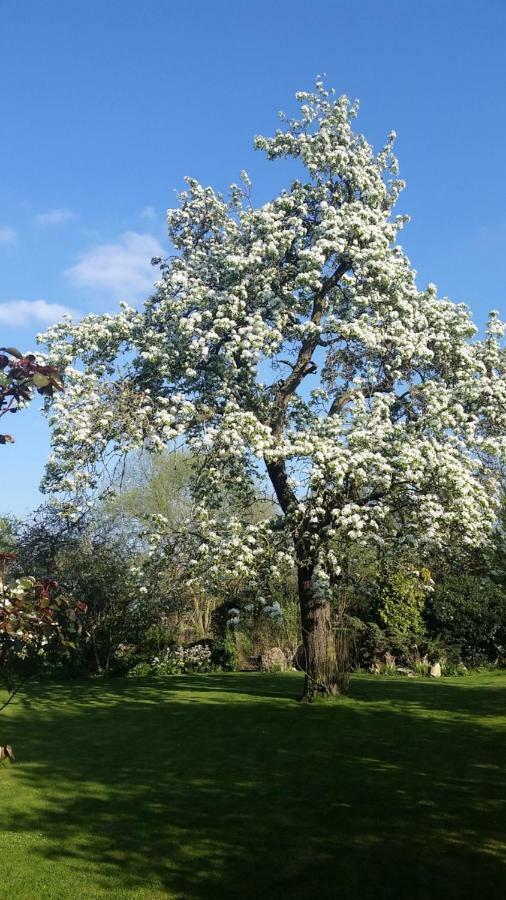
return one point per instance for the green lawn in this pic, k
(222, 786)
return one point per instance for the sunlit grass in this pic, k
(223, 786)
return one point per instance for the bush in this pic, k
(468, 614)
(372, 643)
(185, 661)
(417, 662)
(140, 670)
(225, 654)
(388, 666)
(402, 600)
(451, 667)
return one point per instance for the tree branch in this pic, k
(286, 496)
(302, 365)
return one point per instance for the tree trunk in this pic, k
(319, 663)
(95, 653)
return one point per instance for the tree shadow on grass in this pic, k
(463, 695)
(249, 795)
(287, 686)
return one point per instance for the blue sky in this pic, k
(107, 104)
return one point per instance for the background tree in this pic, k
(7, 534)
(290, 343)
(152, 485)
(92, 562)
(189, 578)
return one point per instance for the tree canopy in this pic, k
(290, 344)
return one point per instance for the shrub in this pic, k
(388, 667)
(402, 601)
(184, 661)
(468, 613)
(373, 642)
(225, 654)
(418, 662)
(140, 670)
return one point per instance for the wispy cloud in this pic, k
(26, 312)
(54, 217)
(149, 212)
(8, 235)
(122, 269)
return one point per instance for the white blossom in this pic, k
(290, 342)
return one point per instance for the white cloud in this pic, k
(54, 217)
(123, 269)
(24, 312)
(149, 212)
(8, 235)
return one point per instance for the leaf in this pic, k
(13, 352)
(41, 380)
(26, 582)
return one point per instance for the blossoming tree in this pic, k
(290, 344)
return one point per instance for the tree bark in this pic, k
(95, 653)
(320, 664)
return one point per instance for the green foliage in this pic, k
(38, 624)
(140, 670)
(129, 623)
(156, 484)
(91, 563)
(157, 638)
(468, 613)
(205, 656)
(273, 668)
(452, 668)
(185, 661)
(7, 534)
(418, 662)
(225, 654)
(402, 601)
(374, 641)
(258, 631)
(389, 665)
